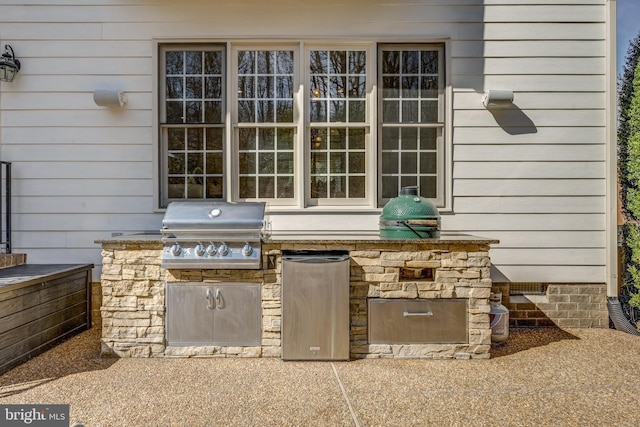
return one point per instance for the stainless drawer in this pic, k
(418, 321)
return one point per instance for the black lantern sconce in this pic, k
(9, 65)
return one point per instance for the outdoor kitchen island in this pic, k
(450, 274)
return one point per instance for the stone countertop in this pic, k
(444, 239)
(140, 238)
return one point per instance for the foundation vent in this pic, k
(527, 288)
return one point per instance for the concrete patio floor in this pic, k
(540, 377)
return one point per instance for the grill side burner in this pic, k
(213, 235)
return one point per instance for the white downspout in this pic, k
(611, 215)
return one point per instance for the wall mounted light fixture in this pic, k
(497, 98)
(109, 98)
(9, 65)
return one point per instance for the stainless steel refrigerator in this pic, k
(315, 305)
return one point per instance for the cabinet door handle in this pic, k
(210, 305)
(424, 313)
(218, 298)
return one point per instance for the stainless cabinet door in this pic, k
(315, 311)
(189, 317)
(238, 315)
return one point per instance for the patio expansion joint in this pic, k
(346, 397)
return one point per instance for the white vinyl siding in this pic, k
(535, 177)
(82, 172)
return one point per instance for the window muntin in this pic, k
(411, 131)
(265, 131)
(338, 119)
(192, 122)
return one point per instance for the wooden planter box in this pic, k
(41, 305)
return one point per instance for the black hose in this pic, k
(620, 321)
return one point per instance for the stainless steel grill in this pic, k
(213, 235)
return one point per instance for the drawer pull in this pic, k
(424, 313)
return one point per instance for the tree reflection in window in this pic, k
(191, 125)
(337, 111)
(265, 84)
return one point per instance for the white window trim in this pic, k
(447, 204)
(301, 184)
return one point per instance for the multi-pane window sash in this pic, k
(266, 128)
(410, 136)
(192, 123)
(337, 142)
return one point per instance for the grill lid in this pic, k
(409, 206)
(212, 235)
(212, 216)
(410, 216)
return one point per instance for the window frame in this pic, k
(441, 124)
(163, 125)
(301, 47)
(368, 125)
(234, 126)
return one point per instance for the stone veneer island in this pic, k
(455, 267)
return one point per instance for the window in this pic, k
(411, 144)
(297, 128)
(192, 124)
(338, 126)
(265, 123)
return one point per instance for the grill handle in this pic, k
(412, 229)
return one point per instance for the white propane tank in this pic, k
(499, 319)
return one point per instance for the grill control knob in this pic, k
(199, 250)
(247, 250)
(176, 249)
(211, 250)
(223, 249)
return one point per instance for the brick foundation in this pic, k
(563, 305)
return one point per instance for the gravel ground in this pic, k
(540, 377)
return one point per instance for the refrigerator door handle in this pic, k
(315, 260)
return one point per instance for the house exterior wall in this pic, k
(533, 177)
